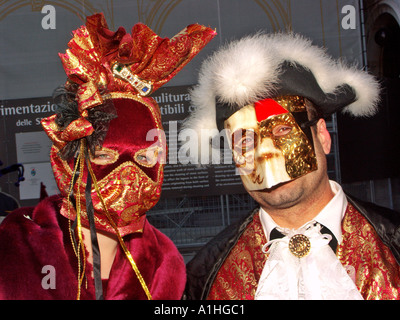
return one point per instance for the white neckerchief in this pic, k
(331, 215)
(319, 275)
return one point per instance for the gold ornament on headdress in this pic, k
(143, 88)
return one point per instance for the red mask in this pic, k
(128, 169)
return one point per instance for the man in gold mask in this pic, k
(271, 95)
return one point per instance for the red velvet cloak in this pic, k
(36, 237)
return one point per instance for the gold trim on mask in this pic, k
(101, 161)
(143, 100)
(148, 157)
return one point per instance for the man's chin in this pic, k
(273, 188)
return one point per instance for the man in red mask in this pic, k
(95, 237)
(307, 239)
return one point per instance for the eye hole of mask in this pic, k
(104, 156)
(244, 140)
(150, 156)
(281, 130)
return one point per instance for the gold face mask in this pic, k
(267, 143)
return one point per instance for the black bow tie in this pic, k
(276, 234)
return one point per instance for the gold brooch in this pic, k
(144, 88)
(299, 245)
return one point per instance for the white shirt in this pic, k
(331, 215)
(319, 274)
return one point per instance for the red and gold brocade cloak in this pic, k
(377, 274)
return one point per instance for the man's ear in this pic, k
(323, 136)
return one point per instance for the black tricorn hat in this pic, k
(266, 66)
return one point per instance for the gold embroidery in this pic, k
(377, 274)
(238, 277)
(121, 241)
(120, 188)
